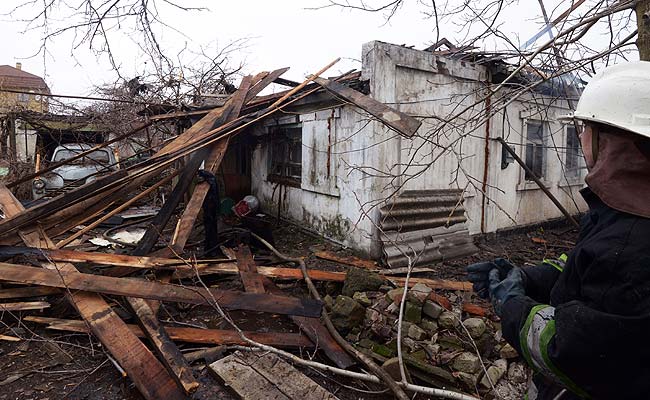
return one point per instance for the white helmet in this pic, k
(618, 96)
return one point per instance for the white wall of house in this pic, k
(329, 197)
(350, 164)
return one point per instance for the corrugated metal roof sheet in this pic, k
(428, 226)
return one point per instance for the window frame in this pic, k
(22, 97)
(545, 125)
(577, 178)
(293, 137)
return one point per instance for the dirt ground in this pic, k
(47, 364)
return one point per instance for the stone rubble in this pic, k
(437, 350)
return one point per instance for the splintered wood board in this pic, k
(265, 376)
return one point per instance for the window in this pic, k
(100, 156)
(573, 153)
(23, 97)
(535, 149)
(285, 160)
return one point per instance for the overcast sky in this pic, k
(280, 33)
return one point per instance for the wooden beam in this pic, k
(136, 262)
(206, 267)
(158, 223)
(24, 306)
(146, 372)
(26, 292)
(141, 288)
(264, 82)
(319, 275)
(146, 311)
(192, 335)
(252, 281)
(347, 260)
(29, 216)
(312, 327)
(214, 158)
(402, 123)
(162, 345)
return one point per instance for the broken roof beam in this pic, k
(141, 288)
(400, 122)
(147, 373)
(312, 327)
(192, 335)
(206, 267)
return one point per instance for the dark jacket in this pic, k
(587, 328)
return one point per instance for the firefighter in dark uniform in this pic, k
(583, 322)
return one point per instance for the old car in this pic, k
(75, 173)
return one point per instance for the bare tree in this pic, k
(95, 23)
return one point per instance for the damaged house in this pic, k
(331, 167)
(370, 159)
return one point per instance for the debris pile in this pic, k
(121, 283)
(445, 340)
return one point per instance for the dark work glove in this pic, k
(478, 274)
(501, 290)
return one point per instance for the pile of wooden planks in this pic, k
(146, 277)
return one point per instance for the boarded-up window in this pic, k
(573, 153)
(535, 149)
(285, 158)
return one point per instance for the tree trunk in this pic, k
(643, 22)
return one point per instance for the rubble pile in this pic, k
(442, 345)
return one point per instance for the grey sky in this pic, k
(281, 33)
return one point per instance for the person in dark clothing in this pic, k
(582, 322)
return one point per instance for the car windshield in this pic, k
(100, 156)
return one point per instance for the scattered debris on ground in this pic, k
(101, 300)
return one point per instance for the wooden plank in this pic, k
(271, 272)
(158, 223)
(312, 327)
(42, 210)
(213, 160)
(205, 267)
(136, 262)
(319, 335)
(162, 345)
(213, 119)
(255, 376)
(247, 384)
(434, 283)
(141, 288)
(191, 211)
(395, 119)
(287, 340)
(146, 312)
(248, 271)
(347, 260)
(262, 84)
(146, 372)
(31, 291)
(24, 306)
(319, 275)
